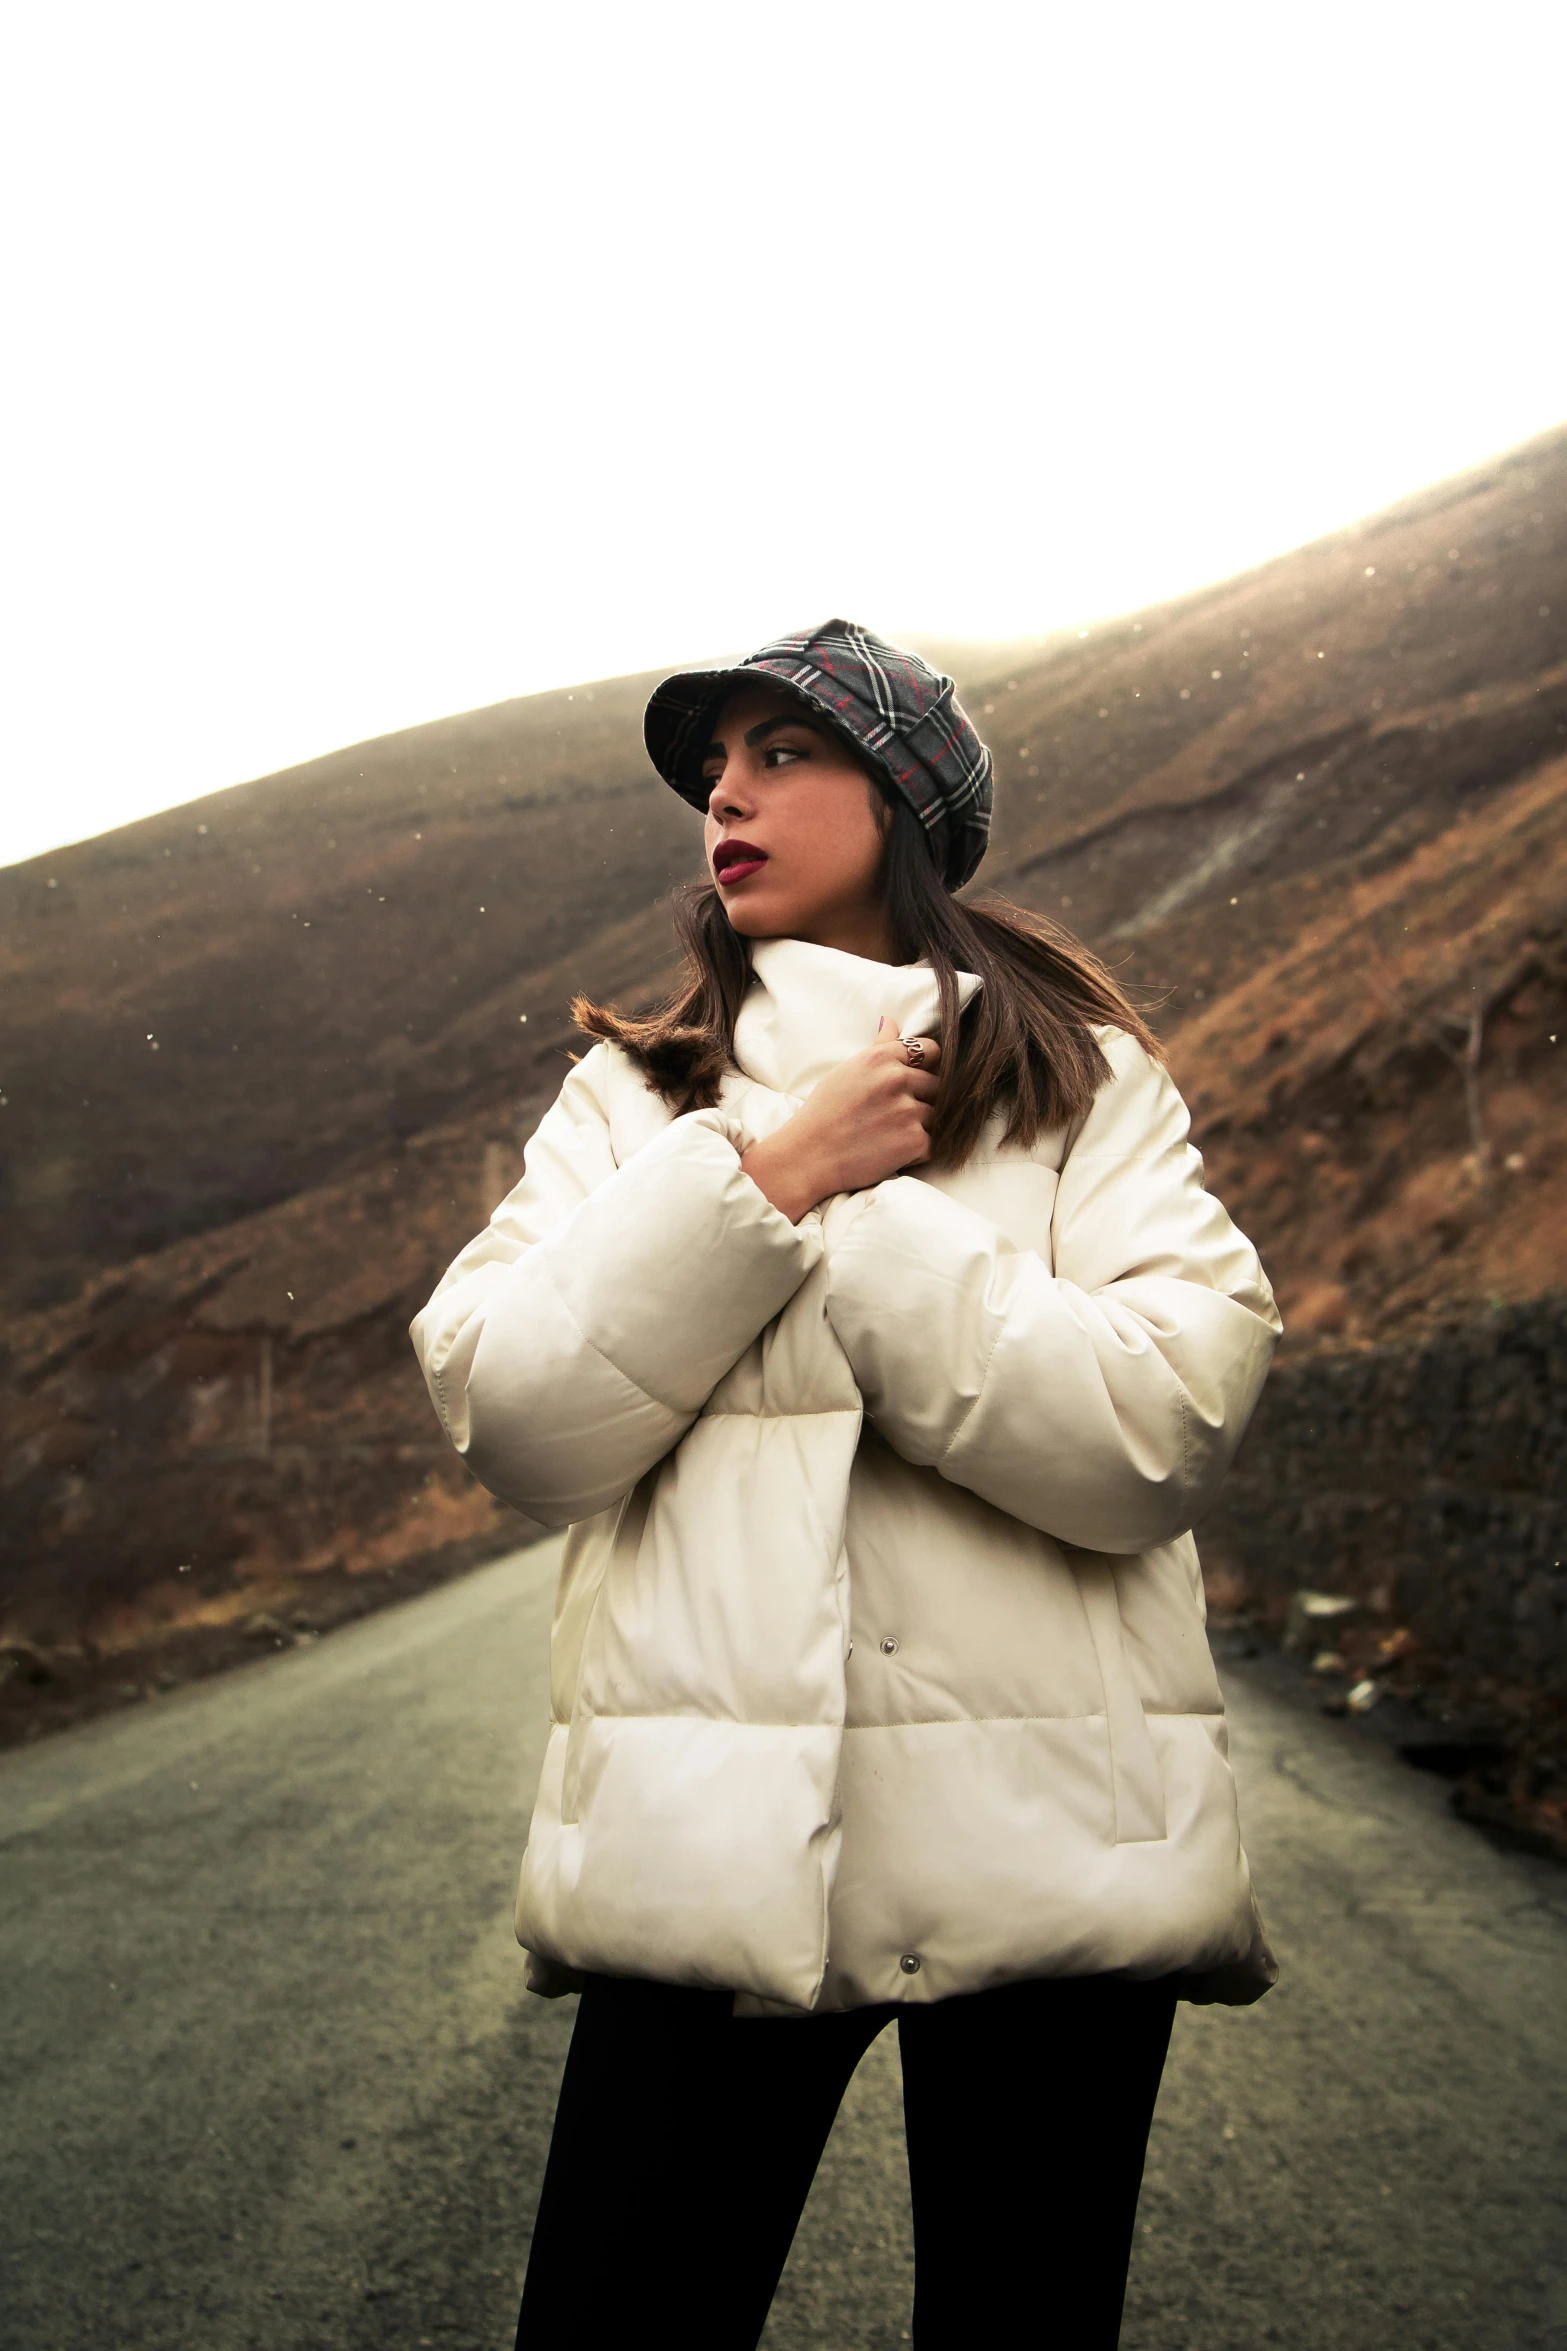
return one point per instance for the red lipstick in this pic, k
(736, 861)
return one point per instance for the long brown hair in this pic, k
(1025, 1041)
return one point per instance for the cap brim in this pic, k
(669, 724)
(675, 725)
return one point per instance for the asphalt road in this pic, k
(271, 2078)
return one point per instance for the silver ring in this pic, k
(914, 1048)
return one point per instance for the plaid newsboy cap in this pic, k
(902, 715)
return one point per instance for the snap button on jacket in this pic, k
(983, 1406)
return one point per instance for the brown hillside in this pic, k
(1315, 815)
(209, 1010)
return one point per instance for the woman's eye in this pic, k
(782, 751)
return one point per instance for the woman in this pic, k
(864, 1316)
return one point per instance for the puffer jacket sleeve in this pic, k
(574, 1342)
(1100, 1401)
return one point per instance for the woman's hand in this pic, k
(866, 1120)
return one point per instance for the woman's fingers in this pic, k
(920, 1067)
(918, 1052)
(869, 1117)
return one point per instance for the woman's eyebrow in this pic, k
(760, 733)
(787, 718)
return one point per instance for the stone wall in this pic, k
(1430, 1482)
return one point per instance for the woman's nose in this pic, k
(727, 797)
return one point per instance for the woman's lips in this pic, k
(736, 861)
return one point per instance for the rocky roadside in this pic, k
(52, 1690)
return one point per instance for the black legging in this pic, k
(686, 2140)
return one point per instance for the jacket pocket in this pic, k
(1136, 1782)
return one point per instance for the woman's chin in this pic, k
(753, 917)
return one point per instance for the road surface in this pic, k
(271, 2078)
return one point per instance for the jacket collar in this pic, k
(808, 1008)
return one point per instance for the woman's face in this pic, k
(795, 827)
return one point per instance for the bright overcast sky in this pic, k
(371, 362)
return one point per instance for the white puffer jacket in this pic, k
(879, 1668)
